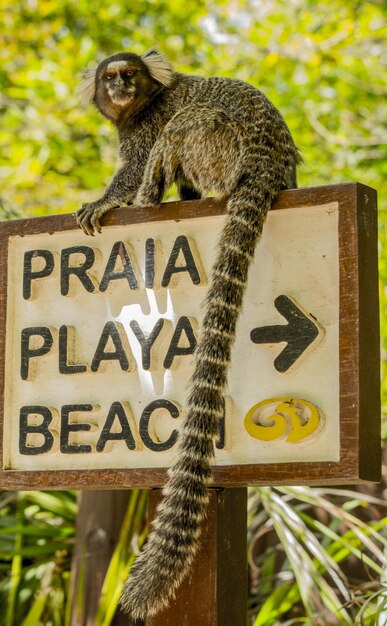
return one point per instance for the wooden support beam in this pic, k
(215, 591)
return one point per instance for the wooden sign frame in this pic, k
(359, 348)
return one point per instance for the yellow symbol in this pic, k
(277, 417)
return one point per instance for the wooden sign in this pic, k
(98, 336)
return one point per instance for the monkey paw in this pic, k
(89, 217)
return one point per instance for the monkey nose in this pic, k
(118, 81)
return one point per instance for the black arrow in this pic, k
(299, 333)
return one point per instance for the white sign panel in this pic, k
(101, 331)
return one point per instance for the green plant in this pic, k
(36, 535)
(313, 557)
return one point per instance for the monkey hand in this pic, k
(89, 216)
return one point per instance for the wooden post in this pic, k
(215, 591)
(98, 526)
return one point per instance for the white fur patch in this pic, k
(86, 88)
(158, 66)
(115, 65)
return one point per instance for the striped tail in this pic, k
(166, 559)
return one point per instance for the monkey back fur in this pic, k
(204, 134)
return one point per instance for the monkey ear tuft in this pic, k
(158, 66)
(86, 88)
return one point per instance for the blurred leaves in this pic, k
(36, 538)
(321, 64)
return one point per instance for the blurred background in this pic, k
(323, 64)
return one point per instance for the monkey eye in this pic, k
(109, 76)
(130, 71)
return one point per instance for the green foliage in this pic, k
(323, 65)
(37, 531)
(311, 555)
(36, 537)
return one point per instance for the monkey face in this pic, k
(125, 82)
(119, 79)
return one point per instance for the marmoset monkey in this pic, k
(204, 134)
